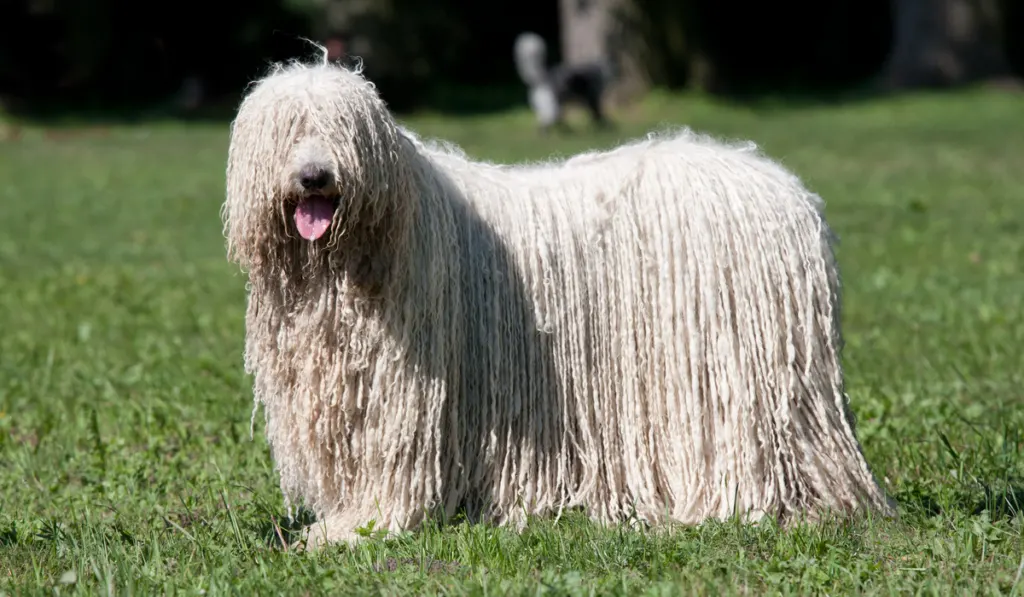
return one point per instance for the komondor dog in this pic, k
(649, 333)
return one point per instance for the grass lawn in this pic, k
(126, 464)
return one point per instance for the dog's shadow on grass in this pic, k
(281, 531)
(1001, 501)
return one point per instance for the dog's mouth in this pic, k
(313, 215)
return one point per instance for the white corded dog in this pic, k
(649, 333)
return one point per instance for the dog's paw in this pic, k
(326, 533)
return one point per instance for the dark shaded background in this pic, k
(130, 58)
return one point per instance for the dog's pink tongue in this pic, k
(313, 217)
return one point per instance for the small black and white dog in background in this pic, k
(550, 90)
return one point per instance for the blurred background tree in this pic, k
(116, 55)
(946, 43)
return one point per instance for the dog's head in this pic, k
(314, 167)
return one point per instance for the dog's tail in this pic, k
(530, 54)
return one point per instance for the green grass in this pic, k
(126, 464)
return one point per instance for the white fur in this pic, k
(651, 331)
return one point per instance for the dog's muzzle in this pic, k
(316, 207)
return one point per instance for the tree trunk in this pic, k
(591, 32)
(584, 30)
(945, 43)
(668, 41)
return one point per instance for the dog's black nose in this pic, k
(314, 178)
